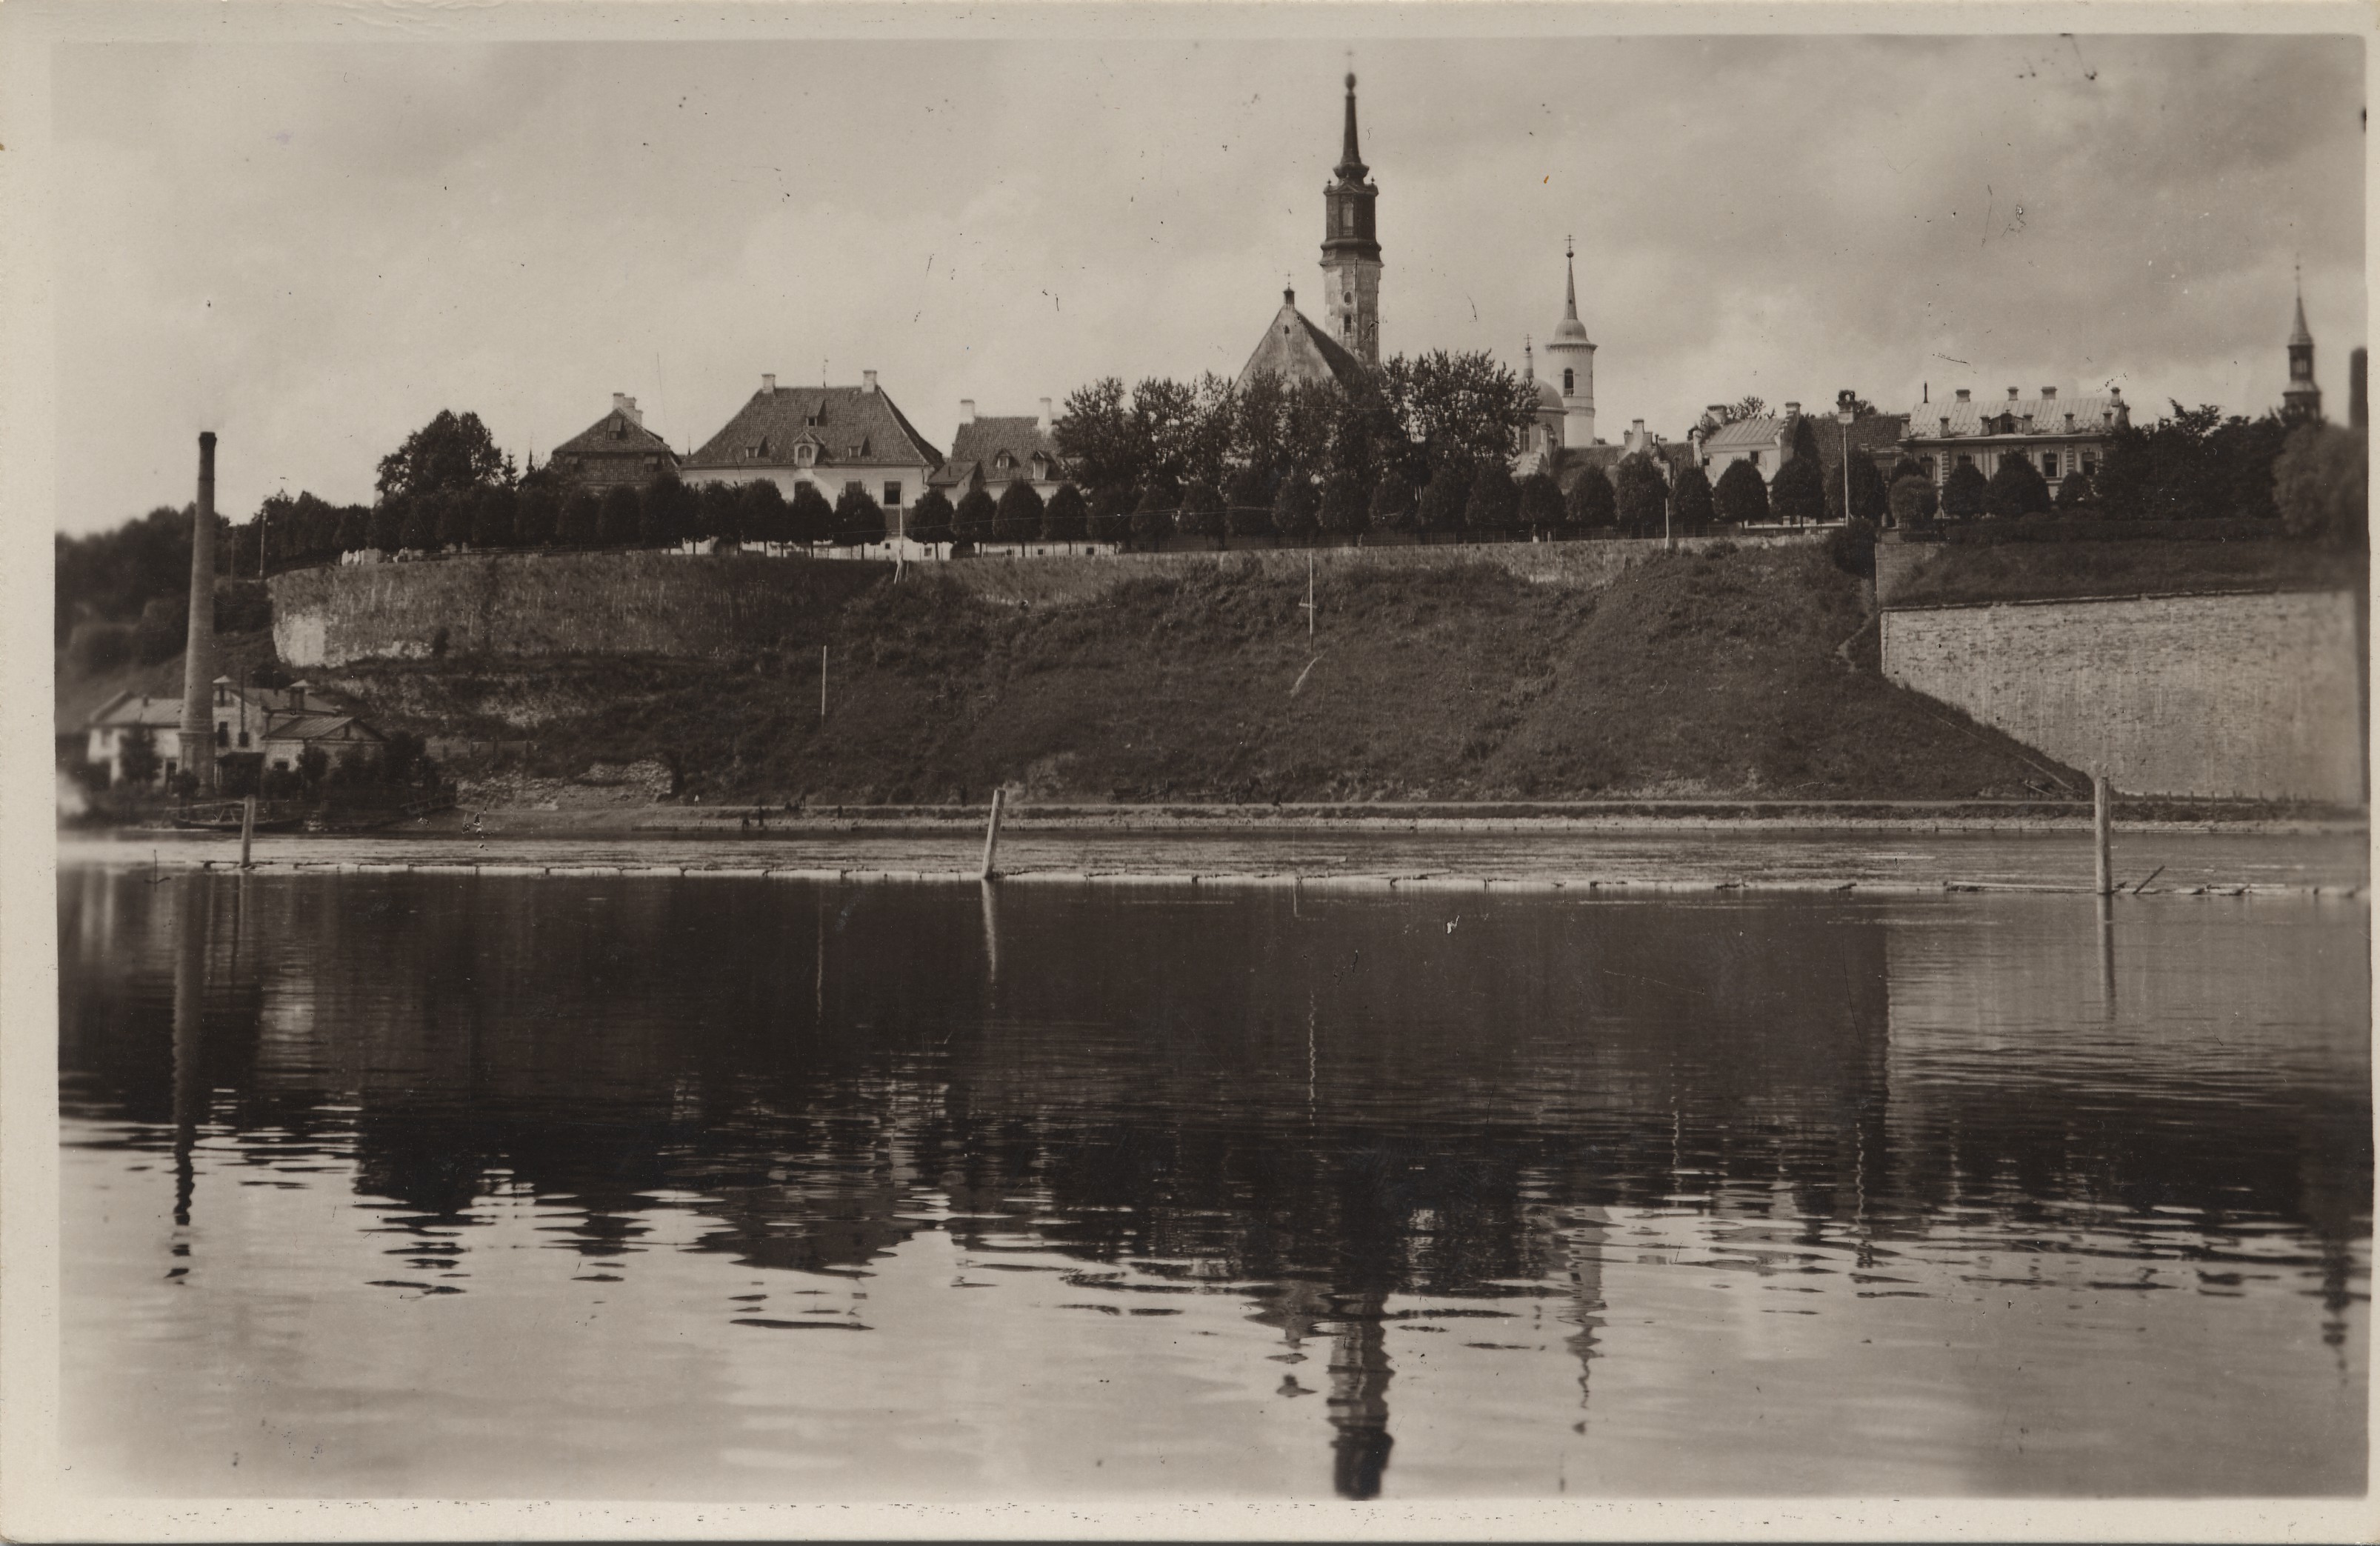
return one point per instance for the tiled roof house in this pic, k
(2058, 435)
(833, 437)
(1003, 447)
(274, 723)
(616, 451)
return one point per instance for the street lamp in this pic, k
(1845, 410)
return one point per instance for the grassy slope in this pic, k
(1689, 675)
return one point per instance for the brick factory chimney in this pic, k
(198, 732)
(2359, 413)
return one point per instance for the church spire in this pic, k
(1351, 160)
(1570, 286)
(2301, 397)
(2299, 333)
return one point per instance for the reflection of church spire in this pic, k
(1359, 1394)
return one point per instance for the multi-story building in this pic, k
(832, 437)
(2058, 435)
(1004, 448)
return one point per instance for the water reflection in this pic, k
(1399, 1135)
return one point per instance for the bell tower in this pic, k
(1569, 355)
(1350, 250)
(2302, 396)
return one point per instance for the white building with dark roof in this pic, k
(831, 437)
(2058, 435)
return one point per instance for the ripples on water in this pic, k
(640, 1188)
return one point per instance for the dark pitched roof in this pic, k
(2091, 411)
(1299, 352)
(127, 708)
(850, 426)
(986, 439)
(615, 434)
(314, 727)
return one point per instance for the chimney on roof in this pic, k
(2012, 394)
(297, 696)
(626, 407)
(2049, 393)
(1792, 411)
(868, 381)
(967, 410)
(1946, 423)
(1045, 420)
(767, 387)
(1963, 394)
(2070, 422)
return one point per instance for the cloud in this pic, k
(312, 248)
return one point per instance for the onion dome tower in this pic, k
(1571, 360)
(1350, 250)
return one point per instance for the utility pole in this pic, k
(1308, 605)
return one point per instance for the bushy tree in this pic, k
(1592, 506)
(456, 511)
(1201, 513)
(453, 451)
(2193, 464)
(418, 526)
(162, 630)
(972, 520)
(1152, 515)
(928, 520)
(1641, 494)
(536, 517)
(1247, 501)
(1295, 505)
(619, 515)
(2073, 492)
(2320, 485)
(665, 512)
(136, 757)
(1742, 496)
(1802, 441)
(1868, 500)
(581, 522)
(1913, 502)
(719, 513)
(1798, 493)
(1016, 517)
(1342, 511)
(1392, 507)
(1443, 498)
(859, 520)
(1691, 505)
(1963, 493)
(1541, 504)
(493, 512)
(1065, 518)
(806, 518)
(354, 530)
(2016, 488)
(1111, 513)
(1494, 502)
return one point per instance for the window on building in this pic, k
(223, 734)
(281, 764)
(1570, 381)
(2049, 465)
(1966, 460)
(243, 740)
(1753, 458)
(2090, 464)
(169, 767)
(891, 496)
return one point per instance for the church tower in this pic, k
(2302, 396)
(1570, 359)
(1351, 250)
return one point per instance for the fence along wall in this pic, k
(2243, 695)
(544, 605)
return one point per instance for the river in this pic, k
(662, 1187)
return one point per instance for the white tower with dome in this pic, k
(1569, 360)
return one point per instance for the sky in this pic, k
(312, 248)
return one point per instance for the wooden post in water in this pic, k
(247, 827)
(2099, 824)
(992, 836)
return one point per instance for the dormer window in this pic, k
(805, 454)
(1005, 462)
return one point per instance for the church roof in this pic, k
(1299, 352)
(1550, 396)
(2298, 333)
(851, 426)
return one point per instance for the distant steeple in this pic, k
(1350, 248)
(1569, 355)
(2301, 397)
